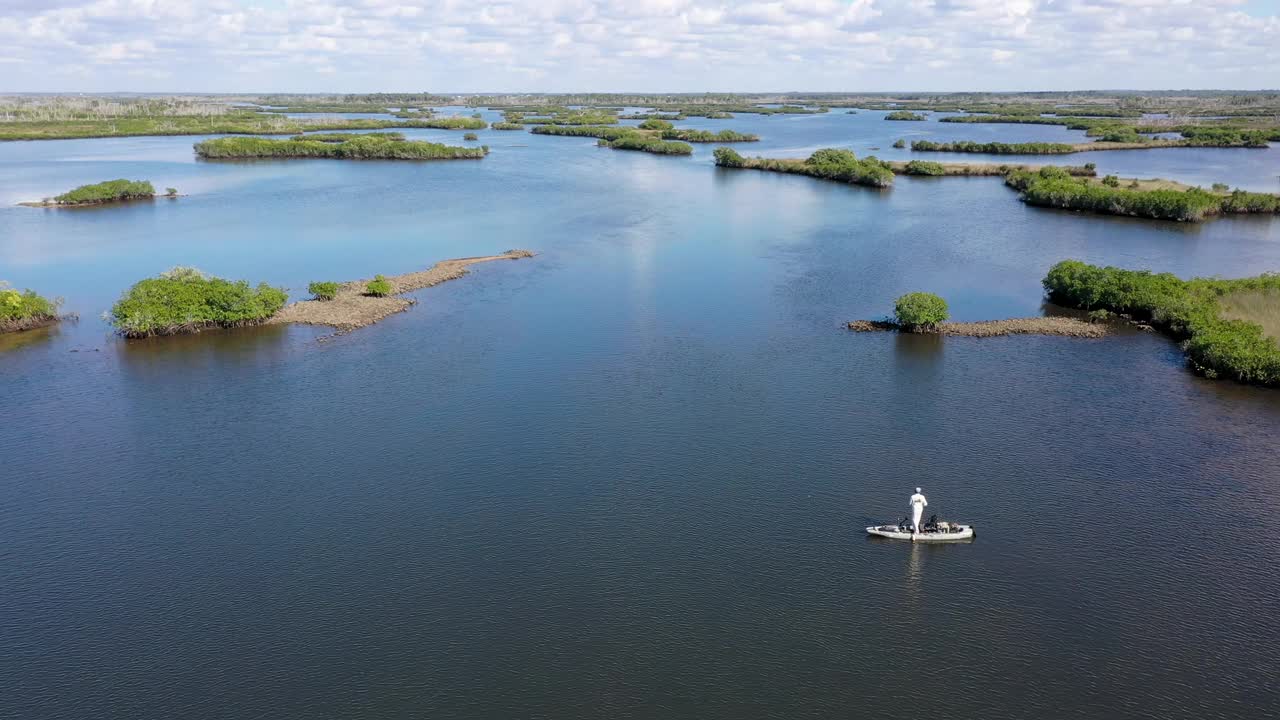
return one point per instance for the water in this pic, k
(628, 477)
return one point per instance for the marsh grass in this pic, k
(1261, 307)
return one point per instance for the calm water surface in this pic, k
(627, 478)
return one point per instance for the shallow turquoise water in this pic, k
(627, 477)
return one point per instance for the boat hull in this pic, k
(961, 532)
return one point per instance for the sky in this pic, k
(458, 46)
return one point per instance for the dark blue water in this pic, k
(628, 477)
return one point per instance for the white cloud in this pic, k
(655, 45)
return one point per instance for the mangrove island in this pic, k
(356, 147)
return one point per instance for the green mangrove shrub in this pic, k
(507, 126)
(900, 143)
(359, 147)
(905, 115)
(994, 148)
(655, 124)
(105, 192)
(596, 131)
(706, 136)
(379, 286)
(323, 290)
(1202, 136)
(337, 137)
(919, 311)
(924, 167)
(1054, 187)
(471, 136)
(1186, 310)
(24, 310)
(728, 157)
(171, 192)
(644, 143)
(185, 300)
(828, 163)
(452, 123)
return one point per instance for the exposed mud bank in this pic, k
(1058, 326)
(351, 308)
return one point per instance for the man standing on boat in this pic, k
(918, 504)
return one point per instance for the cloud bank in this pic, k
(635, 45)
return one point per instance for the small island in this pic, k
(1152, 199)
(926, 313)
(356, 147)
(185, 300)
(706, 136)
(111, 191)
(26, 310)
(358, 303)
(645, 143)
(829, 164)
(906, 115)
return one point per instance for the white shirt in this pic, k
(918, 499)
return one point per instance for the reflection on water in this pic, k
(15, 340)
(916, 352)
(265, 342)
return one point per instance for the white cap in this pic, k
(917, 489)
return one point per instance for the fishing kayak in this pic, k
(952, 534)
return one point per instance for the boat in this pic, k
(944, 532)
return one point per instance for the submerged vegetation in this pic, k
(1054, 187)
(358, 147)
(185, 300)
(107, 192)
(829, 164)
(1191, 311)
(25, 310)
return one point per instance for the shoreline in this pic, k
(51, 203)
(984, 169)
(351, 308)
(1051, 326)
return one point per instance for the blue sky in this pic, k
(635, 45)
